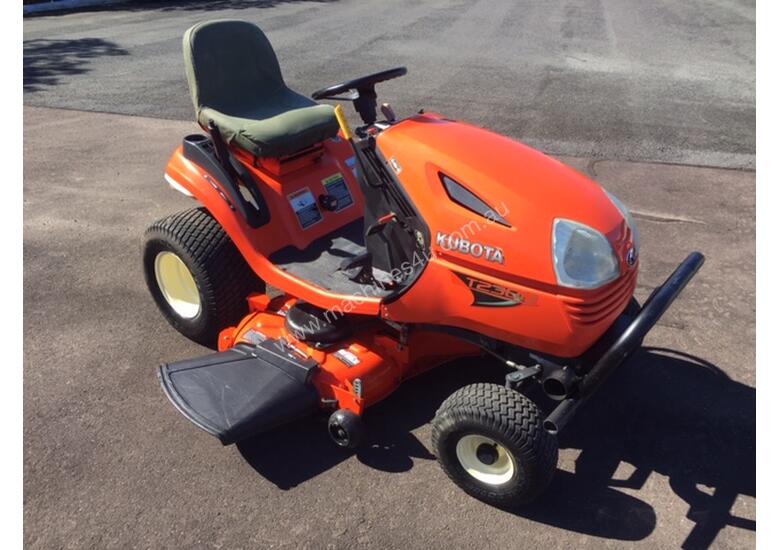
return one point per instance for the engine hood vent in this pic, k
(462, 196)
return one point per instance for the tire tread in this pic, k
(224, 280)
(511, 414)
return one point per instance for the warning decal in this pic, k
(305, 207)
(337, 187)
(347, 357)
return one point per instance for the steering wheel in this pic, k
(364, 99)
(364, 83)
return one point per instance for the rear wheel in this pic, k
(490, 442)
(196, 275)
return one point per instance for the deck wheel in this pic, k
(346, 429)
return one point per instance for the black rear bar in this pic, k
(655, 306)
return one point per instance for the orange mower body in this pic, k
(470, 254)
(393, 248)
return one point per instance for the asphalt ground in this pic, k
(664, 457)
(656, 80)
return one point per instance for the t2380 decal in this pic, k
(490, 294)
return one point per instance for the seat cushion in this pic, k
(277, 135)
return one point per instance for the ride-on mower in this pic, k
(397, 246)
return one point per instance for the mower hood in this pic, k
(525, 191)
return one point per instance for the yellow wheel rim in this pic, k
(497, 469)
(177, 285)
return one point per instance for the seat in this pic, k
(235, 80)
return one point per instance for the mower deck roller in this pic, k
(243, 391)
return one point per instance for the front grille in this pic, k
(605, 303)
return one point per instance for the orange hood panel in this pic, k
(526, 187)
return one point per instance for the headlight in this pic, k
(628, 217)
(582, 256)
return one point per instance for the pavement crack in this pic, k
(664, 218)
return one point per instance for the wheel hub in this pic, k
(177, 284)
(339, 433)
(485, 459)
(487, 454)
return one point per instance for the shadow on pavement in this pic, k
(213, 5)
(182, 5)
(295, 453)
(46, 61)
(663, 412)
(683, 418)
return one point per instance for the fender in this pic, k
(235, 180)
(255, 243)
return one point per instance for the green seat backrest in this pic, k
(230, 66)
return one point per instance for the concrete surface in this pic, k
(655, 80)
(665, 457)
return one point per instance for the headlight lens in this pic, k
(582, 256)
(628, 217)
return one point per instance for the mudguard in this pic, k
(261, 221)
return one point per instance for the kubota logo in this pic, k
(464, 246)
(631, 256)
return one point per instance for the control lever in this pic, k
(387, 110)
(381, 223)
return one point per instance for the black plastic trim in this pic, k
(316, 325)
(469, 200)
(201, 150)
(370, 159)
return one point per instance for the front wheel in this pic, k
(196, 275)
(490, 441)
